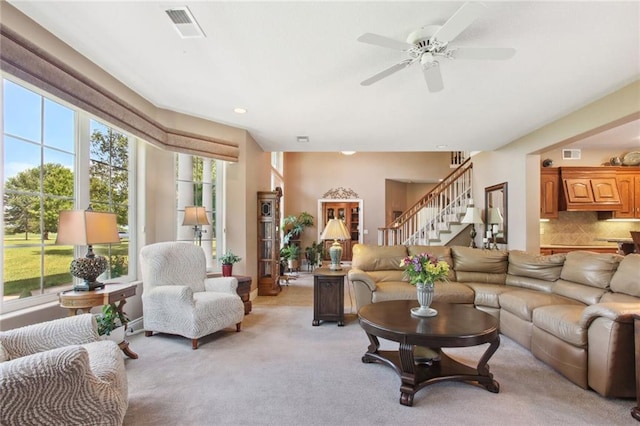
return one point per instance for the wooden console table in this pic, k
(110, 294)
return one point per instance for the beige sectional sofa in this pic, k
(573, 311)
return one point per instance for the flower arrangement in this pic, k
(424, 268)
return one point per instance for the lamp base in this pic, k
(88, 269)
(473, 234)
(335, 253)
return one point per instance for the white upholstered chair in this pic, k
(177, 296)
(61, 373)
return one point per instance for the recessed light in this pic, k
(303, 139)
(348, 152)
(240, 110)
(442, 146)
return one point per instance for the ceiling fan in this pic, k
(428, 43)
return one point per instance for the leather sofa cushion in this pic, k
(610, 297)
(582, 293)
(377, 258)
(468, 259)
(394, 290)
(452, 292)
(480, 277)
(589, 268)
(545, 268)
(563, 321)
(522, 303)
(385, 276)
(488, 294)
(530, 283)
(626, 279)
(440, 252)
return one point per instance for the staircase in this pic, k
(435, 218)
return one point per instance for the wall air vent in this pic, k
(571, 154)
(184, 22)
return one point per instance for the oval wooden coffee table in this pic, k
(454, 326)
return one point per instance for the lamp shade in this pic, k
(494, 215)
(335, 230)
(195, 215)
(87, 227)
(472, 215)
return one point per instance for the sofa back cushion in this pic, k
(589, 268)
(377, 258)
(530, 265)
(477, 265)
(387, 275)
(586, 275)
(627, 277)
(440, 252)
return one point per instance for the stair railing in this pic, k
(422, 223)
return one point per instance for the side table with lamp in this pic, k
(335, 230)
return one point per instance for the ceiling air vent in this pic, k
(184, 22)
(571, 154)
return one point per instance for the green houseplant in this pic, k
(227, 260)
(294, 226)
(109, 320)
(291, 253)
(314, 253)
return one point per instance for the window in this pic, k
(55, 157)
(197, 180)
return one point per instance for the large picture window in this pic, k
(55, 157)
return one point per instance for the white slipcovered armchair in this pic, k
(60, 373)
(177, 296)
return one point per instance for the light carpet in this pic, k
(281, 370)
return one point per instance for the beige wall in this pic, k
(308, 176)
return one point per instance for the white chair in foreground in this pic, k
(178, 298)
(61, 373)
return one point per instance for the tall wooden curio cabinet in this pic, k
(269, 242)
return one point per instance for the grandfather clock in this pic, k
(269, 242)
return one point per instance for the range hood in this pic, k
(589, 189)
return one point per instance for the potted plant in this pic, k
(313, 254)
(294, 225)
(227, 260)
(111, 323)
(291, 253)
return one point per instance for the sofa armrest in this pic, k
(170, 296)
(356, 274)
(46, 378)
(31, 339)
(221, 284)
(615, 311)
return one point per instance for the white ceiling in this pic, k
(296, 67)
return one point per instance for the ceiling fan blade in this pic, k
(494, 53)
(383, 41)
(459, 22)
(387, 72)
(432, 76)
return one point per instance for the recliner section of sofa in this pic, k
(573, 311)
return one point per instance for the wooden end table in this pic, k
(635, 411)
(454, 326)
(110, 294)
(328, 295)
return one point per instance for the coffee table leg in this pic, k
(407, 375)
(483, 369)
(372, 349)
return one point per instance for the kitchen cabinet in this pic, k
(629, 189)
(549, 192)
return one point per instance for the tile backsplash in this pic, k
(583, 228)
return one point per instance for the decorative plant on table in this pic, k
(313, 254)
(227, 260)
(110, 319)
(422, 270)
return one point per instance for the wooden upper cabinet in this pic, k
(629, 190)
(579, 190)
(549, 192)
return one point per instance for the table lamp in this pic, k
(472, 216)
(195, 216)
(86, 228)
(335, 230)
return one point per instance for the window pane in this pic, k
(58, 126)
(21, 268)
(58, 157)
(19, 157)
(57, 260)
(22, 112)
